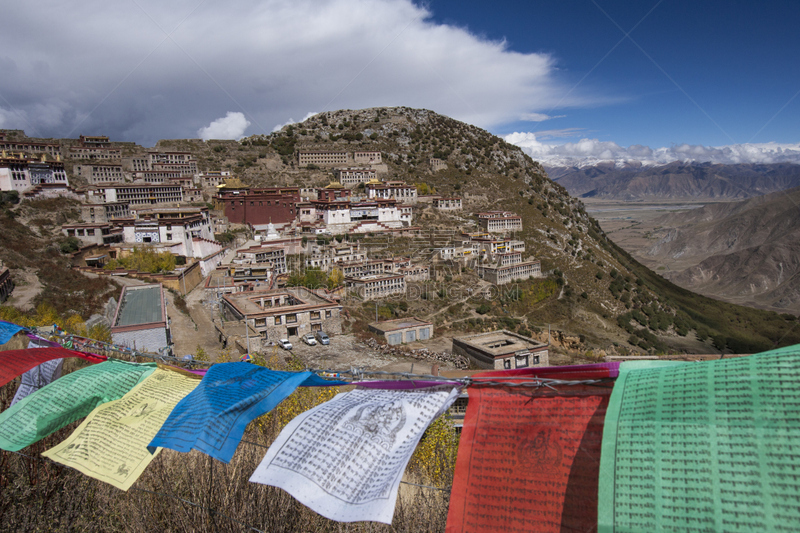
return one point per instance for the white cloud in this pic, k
(274, 59)
(560, 133)
(538, 117)
(279, 127)
(592, 151)
(231, 126)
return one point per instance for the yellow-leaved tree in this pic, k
(144, 259)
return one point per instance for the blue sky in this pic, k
(558, 78)
(710, 72)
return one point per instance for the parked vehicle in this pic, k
(285, 344)
(309, 339)
(322, 337)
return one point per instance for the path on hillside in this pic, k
(193, 330)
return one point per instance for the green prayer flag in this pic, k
(703, 446)
(67, 399)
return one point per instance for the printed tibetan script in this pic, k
(344, 459)
(528, 460)
(111, 444)
(706, 446)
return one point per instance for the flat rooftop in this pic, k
(289, 299)
(398, 323)
(140, 305)
(501, 342)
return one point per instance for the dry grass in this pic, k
(181, 493)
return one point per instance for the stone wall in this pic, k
(145, 340)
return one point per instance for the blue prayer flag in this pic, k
(213, 417)
(8, 330)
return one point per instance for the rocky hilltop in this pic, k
(593, 292)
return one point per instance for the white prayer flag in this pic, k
(345, 458)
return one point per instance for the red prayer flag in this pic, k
(528, 459)
(15, 362)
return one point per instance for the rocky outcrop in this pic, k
(423, 354)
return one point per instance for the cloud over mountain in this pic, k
(147, 70)
(231, 126)
(588, 152)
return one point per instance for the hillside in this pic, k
(677, 181)
(29, 247)
(745, 252)
(594, 293)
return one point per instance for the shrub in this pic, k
(69, 245)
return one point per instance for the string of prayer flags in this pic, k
(41, 342)
(213, 418)
(528, 458)
(15, 362)
(709, 446)
(67, 399)
(111, 444)
(404, 385)
(8, 330)
(565, 373)
(345, 458)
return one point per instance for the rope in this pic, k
(357, 374)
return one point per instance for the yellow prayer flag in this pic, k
(111, 443)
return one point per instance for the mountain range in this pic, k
(676, 181)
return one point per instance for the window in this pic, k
(506, 364)
(522, 361)
(328, 314)
(291, 319)
(315, 315)
(535, 359)
(277, 320)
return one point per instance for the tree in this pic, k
(335, 279)
(145, 259)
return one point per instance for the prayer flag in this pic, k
(528, 457)
(8, 330)
(111, 444)
(37, 377)
(345, 458)
(213, 418)
(40, 375)
(703, 446)
(67, 399)
(15, 362)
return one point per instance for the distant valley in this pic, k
(725, 231)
